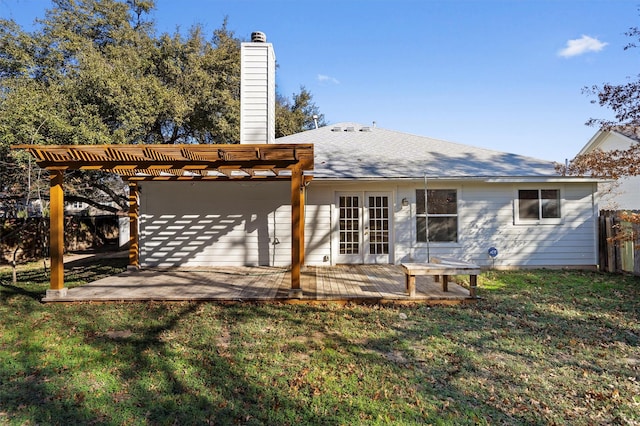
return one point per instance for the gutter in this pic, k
(482, 179)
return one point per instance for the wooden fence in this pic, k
(619, 255)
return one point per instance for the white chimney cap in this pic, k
(258, 37)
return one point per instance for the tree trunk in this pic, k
(13, 266)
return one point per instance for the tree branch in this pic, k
(77, 198)
(119, 199)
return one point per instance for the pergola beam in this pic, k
(164, 157)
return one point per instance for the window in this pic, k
(538, 204)
(439, 221)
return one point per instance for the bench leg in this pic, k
(473, 285)
(411, 285)
(436, 278)
(445, 282)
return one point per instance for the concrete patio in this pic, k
(342, 283)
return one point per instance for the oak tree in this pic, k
(96, 72)
(298, 114)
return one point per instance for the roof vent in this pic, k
(350, 129)
(258, 37)
(365, 129)
(336, 129)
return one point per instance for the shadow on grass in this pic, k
(204, 363)
(160, 364)
(34, 280)
(10, 290)
(32, 283)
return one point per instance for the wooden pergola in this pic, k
(134, 163)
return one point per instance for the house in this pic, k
(366, 202)
(368, 197)
(345, 193)
(624, 193)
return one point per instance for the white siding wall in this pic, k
(319, 203)
(215, 223)
(321, 242)
(232, 223)
(624, 194)
(486, 219)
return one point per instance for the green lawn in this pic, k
(541, 347)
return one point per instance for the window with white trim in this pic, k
(438, 222)
(538, 205)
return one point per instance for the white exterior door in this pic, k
(363, 227)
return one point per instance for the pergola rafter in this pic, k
(265, 162)
(131, 161)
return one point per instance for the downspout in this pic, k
(426, 214)
(596, 216)
(332, 231)
(274, 239)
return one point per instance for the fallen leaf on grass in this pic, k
(632, 361)
(118, 334)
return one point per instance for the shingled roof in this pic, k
(356, 151)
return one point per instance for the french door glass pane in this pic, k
(349, 225)
(378, 225)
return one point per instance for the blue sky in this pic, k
(504, 75)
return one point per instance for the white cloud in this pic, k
(581, 45)
(326, 79)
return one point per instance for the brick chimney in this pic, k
(257, 91)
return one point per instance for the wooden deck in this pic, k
(343, 283)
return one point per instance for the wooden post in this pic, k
(636, 247)
(134, 259)
(296, 244)
(473, 285)
(611, 260)
(56, 236)
(602, 241)
(410, 284)
(445, 283)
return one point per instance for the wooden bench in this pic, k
(441, 267)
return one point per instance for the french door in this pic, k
(363, 227)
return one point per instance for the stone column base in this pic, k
(295, 293)
(56, 294)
